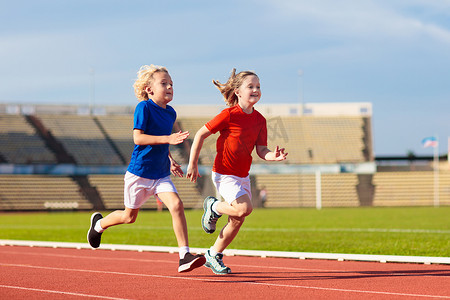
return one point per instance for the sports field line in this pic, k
(58, 292)
(236, 252)
(127, 259)
(225, 281)
(382, 230)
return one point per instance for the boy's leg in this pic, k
(99, 224)
(175, 206)
(126, 216)
(176, 209)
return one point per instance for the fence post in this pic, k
(318, 189)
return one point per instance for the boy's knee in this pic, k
(177, 206)
(129, 219)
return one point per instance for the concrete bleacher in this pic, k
(299, 190)
(40, 192)
(111, 188)
(82, 138)
(192, 125)
(308, 140)
(414, 188)
(328, 136)
(318, 140)
(120, 129)
(20, 143)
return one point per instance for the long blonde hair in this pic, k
(233, 83)
(145, 77)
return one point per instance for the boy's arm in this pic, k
(200, 136)
(142, 139)
(266, 154)
(175, 168)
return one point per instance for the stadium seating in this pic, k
(82, 138)
(120, 129)
(19, 142)
(309, 140)
(40, 192)
(414, 188)
(299, 190)
(106, 140)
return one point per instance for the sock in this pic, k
(214, 208)
(98, 227)
(183, 250)
(212, 252)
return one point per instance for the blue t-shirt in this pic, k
(152, 161)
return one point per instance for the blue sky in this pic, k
(392, 53)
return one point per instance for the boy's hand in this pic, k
(178, 137)
(175, 168)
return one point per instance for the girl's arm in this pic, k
(142, 139)
(200, 136)
(266, 154)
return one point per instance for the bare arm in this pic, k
(266, 154)
(175, 168)
(200, 136)
(142, 139)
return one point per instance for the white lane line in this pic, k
(236, 252)
(268, 229)
(226, 281)
(347, 271)
(58, 292)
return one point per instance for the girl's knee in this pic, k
(243, 214)
(244, 211)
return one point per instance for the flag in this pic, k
(430, 142)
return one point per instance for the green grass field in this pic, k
(418, 231)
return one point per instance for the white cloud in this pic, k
(364, 19)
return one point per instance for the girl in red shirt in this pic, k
(241, 128)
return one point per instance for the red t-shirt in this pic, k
(239, 134)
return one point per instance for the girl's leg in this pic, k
(126, 216)
(176, 209)
(237, 211)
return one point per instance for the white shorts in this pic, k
(231, 187)
(137, 190)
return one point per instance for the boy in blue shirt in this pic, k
(151, 163)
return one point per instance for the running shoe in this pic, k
(93, 236)
(190, 262)
(216, 264)
(209, 218)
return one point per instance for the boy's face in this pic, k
(250, 90)
(161, 88)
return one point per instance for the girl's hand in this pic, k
(279, 154)
(178, 137)
(192, 173)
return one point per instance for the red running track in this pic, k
(49, 273)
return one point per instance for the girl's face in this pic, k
(160, 89)
(249, 92)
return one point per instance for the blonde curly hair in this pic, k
(145, 77)
(234, 82)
